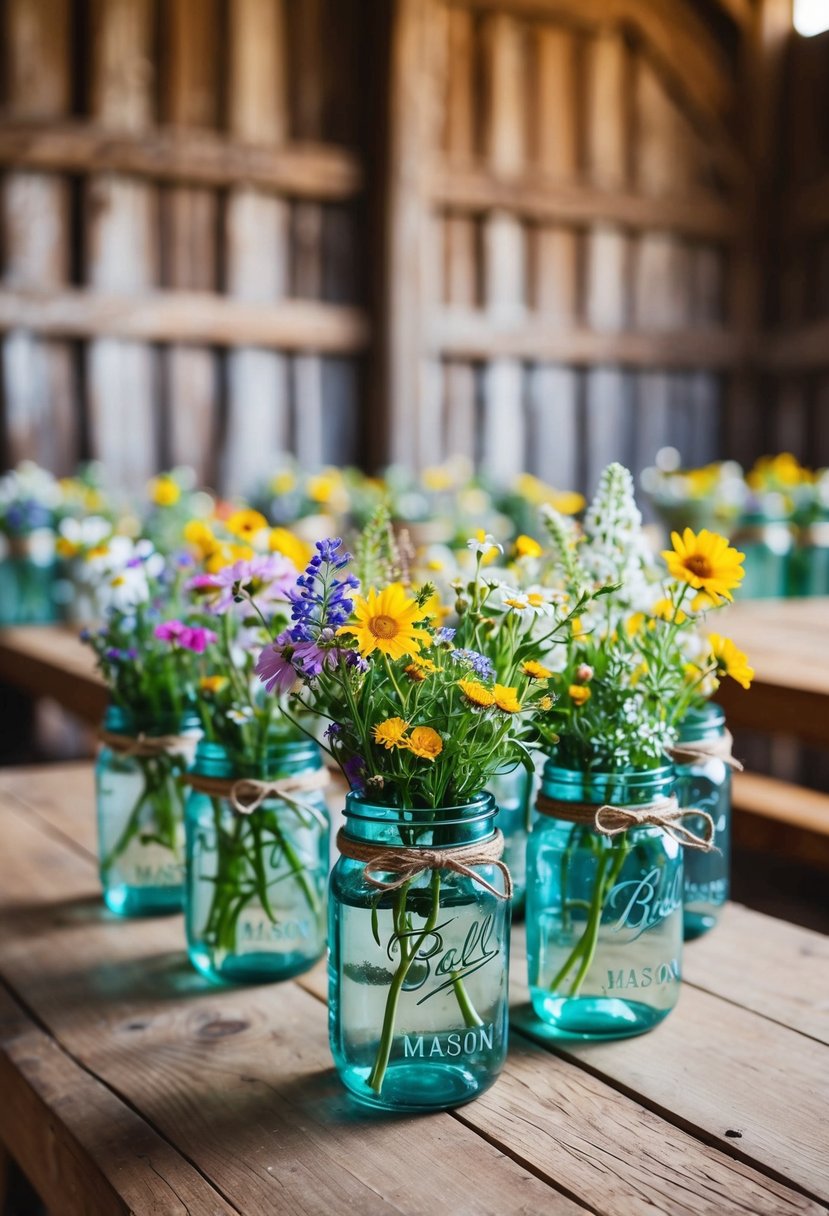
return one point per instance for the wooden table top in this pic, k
(787, 642)
(131, 1085)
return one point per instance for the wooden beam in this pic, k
(539, 198)
(302, 170)
(461, 335)
(187, 316)
(802, 349)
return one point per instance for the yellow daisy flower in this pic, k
(390, 733)
(664, 610)
(525, 546)
(201, 537)
(246, 523)
(579, 694)
(535, 671)
(386, 622)
(634, 624)
(545, 703)
(476, 694)
(506, 698)
(706, 561)
(280, 540)
(212, 684)
(425, 743)
(164, 491)
(730, 660)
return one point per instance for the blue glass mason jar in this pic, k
(703, 781)
(27, 579)
(604, 915)
(255, 907)
(767, 545)
(513, 791)
(418, 975)
(141, 813)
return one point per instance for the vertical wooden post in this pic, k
(189, 236)
(41, 415)
(122, 234)
(607, 389)
(257, 243)
(505, 287)
(553, 450)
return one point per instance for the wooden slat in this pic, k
(777, 817)
(41, 414)
(472, 336)
(802, 349)
(745, 959)
(715, 1068)
(300, 169)
(78, 1141)
(187, 316)
(240, 1081)
(256, 232)
(122, 246)
(52, 662)
(189, 218)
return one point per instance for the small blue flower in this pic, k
(479, 663)
(444, 634)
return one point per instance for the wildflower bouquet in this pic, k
(258, 847)
(631, 673)
(148, 657)
(711, 496)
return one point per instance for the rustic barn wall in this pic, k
(181, 197)
(558, 237)
(565, 192)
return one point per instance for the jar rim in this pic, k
(358, 806)
(700, 721)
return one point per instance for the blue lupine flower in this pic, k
(322, 601)
(478, 663)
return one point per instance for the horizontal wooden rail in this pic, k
(188, 316)
(800, 349)
(782, 818)
(476, 336)
(318, 171)
(538, 198)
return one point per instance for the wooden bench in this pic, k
(131, 1085)
(776, 816)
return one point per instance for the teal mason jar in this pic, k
(140, 811)
(418, 971)
(810, 561)
(767, 545)
(255, 908)
(514, 794)
(703, 782)
(27, 578)
(604, 914)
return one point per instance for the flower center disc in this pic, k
(698, 565)
(383, 626)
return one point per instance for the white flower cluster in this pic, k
(123, 570)
(615, 550)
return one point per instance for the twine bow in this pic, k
(610, 820)
(246, 794)
(147, 746)
(701, 750)
(409, 863)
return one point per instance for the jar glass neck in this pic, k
(618, 789)
(121, 721)
(705, 722)
(279, 760)
(422, 827)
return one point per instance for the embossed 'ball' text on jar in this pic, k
(703, 782)
(257, 862)
(141, 811)
(604, 913)
(419, 954)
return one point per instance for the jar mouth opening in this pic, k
(359, 807)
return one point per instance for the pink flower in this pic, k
(274, 666)
(265, 578)
(188, 637)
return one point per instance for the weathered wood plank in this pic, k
(190, 316)
(189, 230)
(40, 411)
(122, 246)
(240, 1081)
(778, 817)
(256, 235)
(50, 661)
(88, 1152)
(301, 169)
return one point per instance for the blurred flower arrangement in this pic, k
(29, 499)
